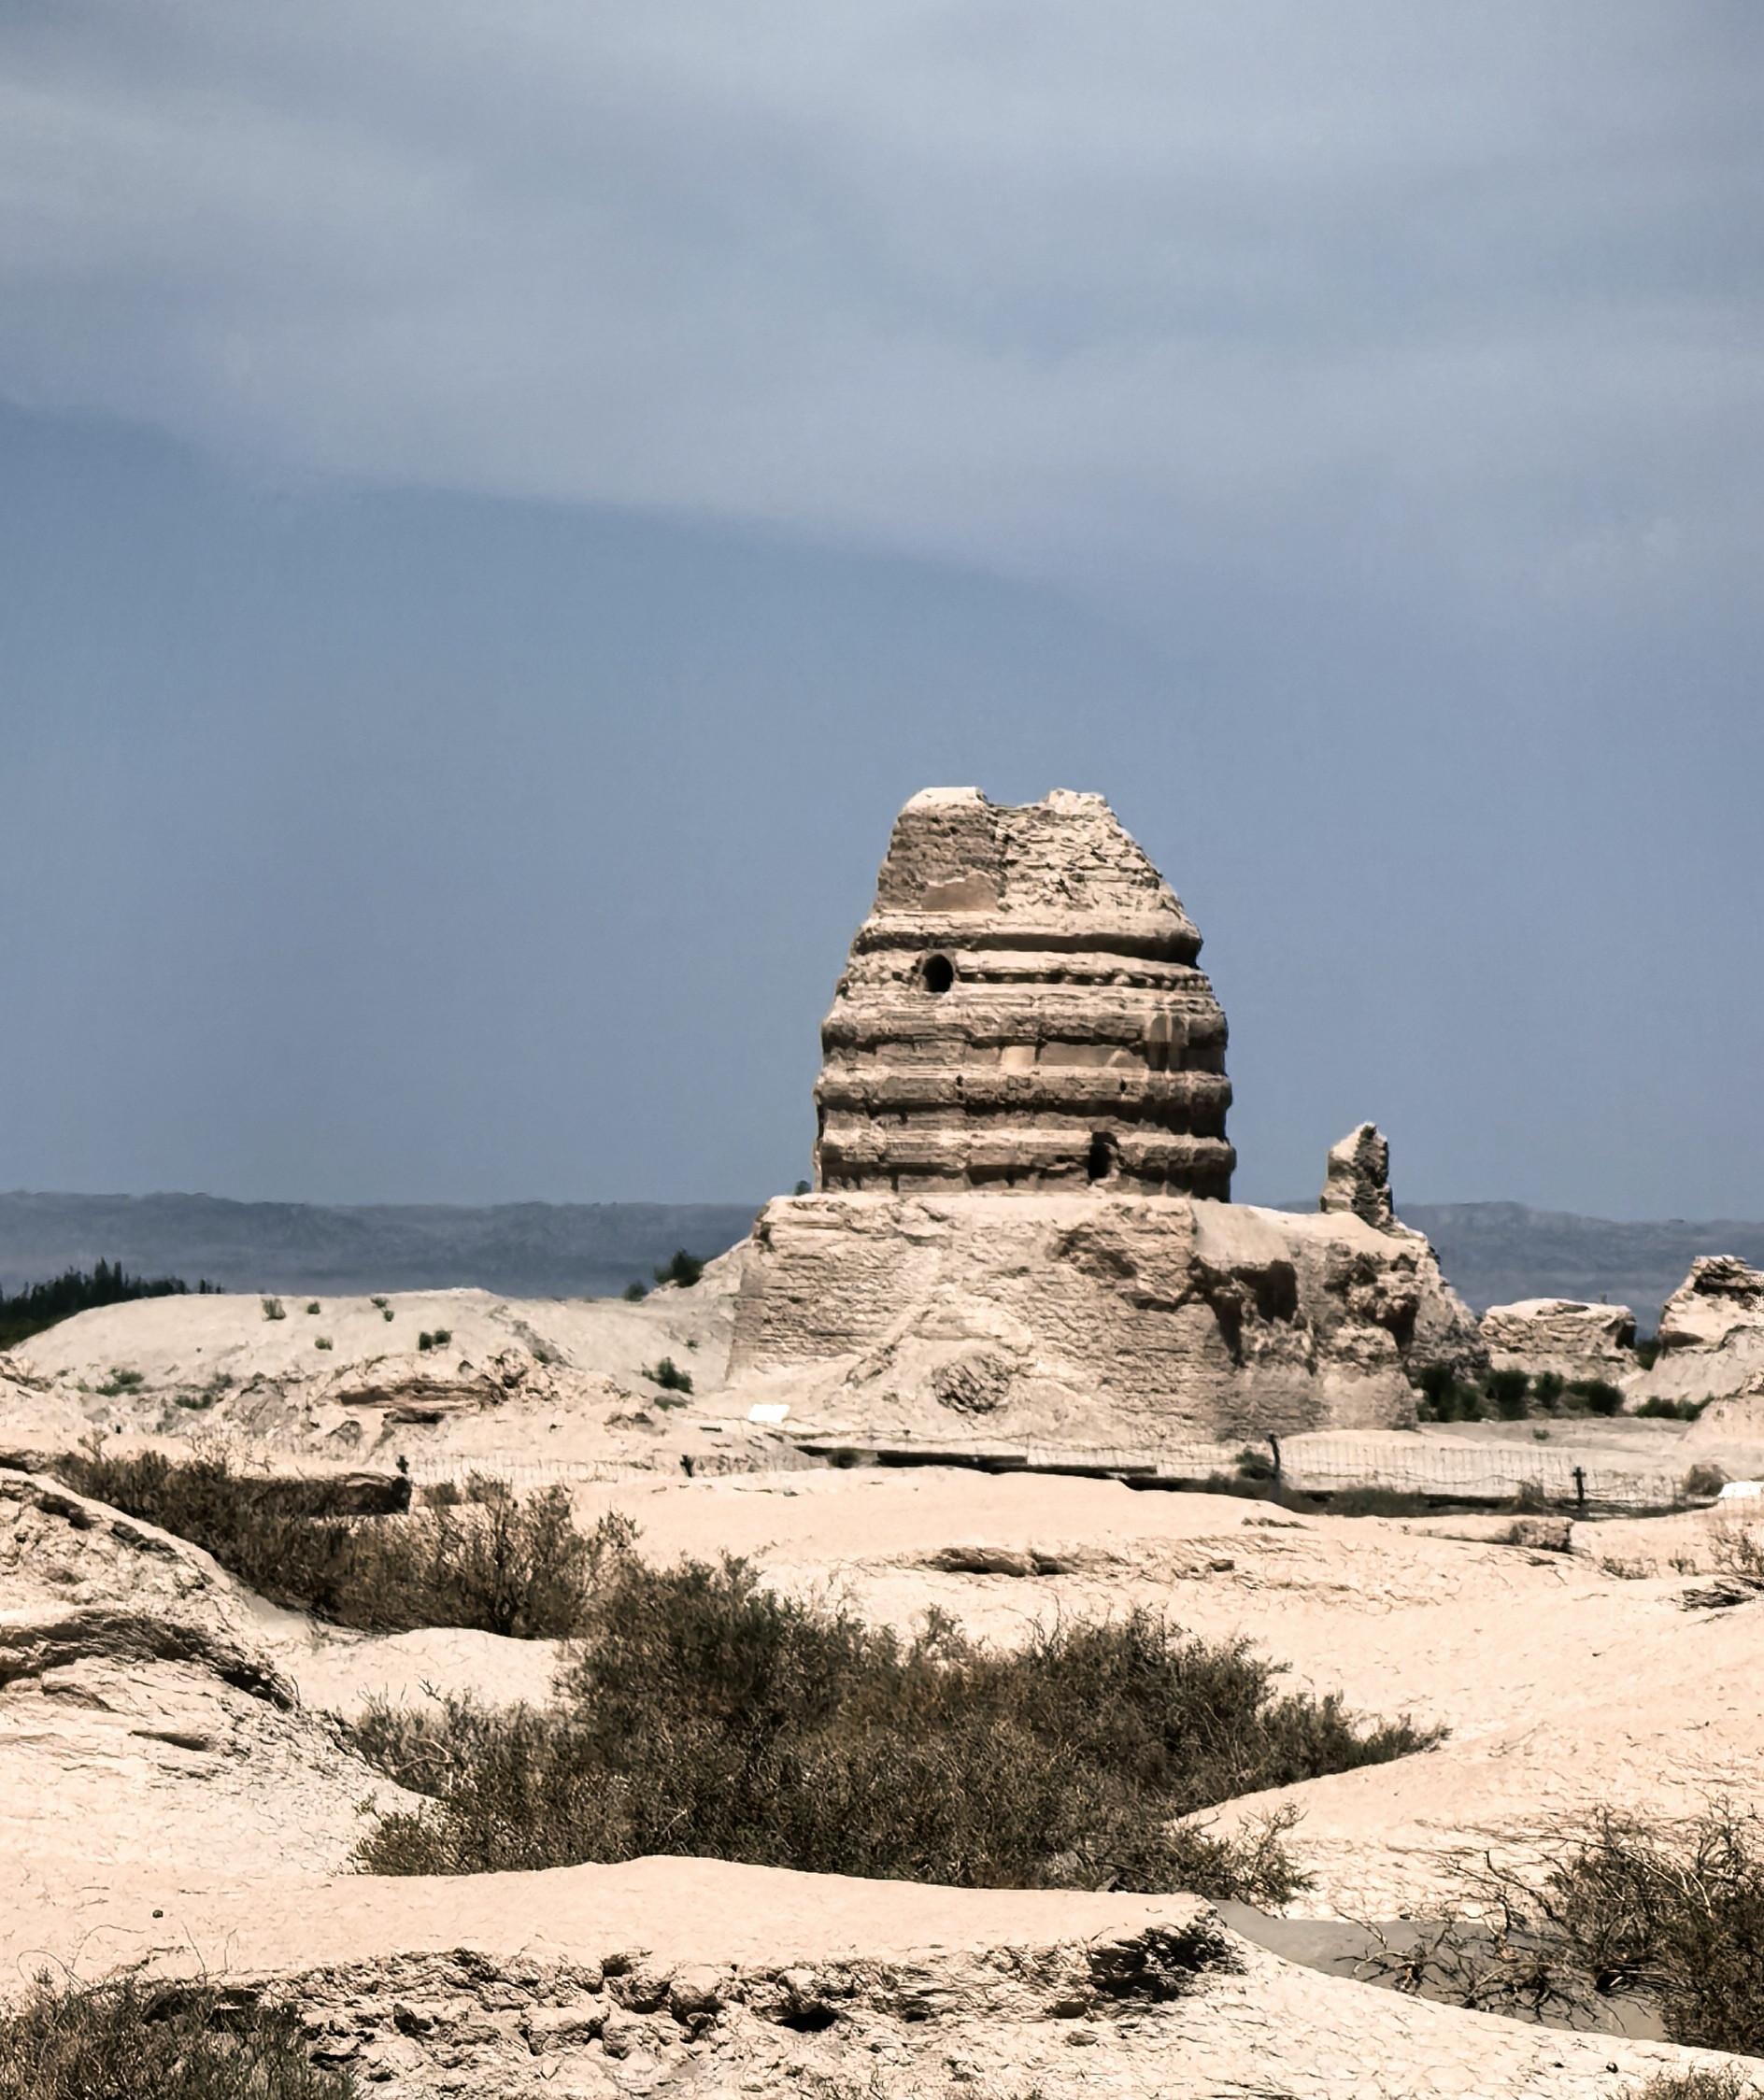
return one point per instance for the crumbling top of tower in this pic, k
(1022, 1010)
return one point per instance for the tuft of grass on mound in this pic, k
(135, 2040)
(704, 1714)
(493, 1561)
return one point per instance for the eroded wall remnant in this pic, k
(1022, 1224)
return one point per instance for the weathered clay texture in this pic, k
(1563, 1335)
(1021, 1010)
(1359, 1177)
(1712, 1337)
(1099, 1319)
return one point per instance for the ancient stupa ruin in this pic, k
(1022, 1010)
(1021, 1218)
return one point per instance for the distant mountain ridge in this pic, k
(1493, 1253)
(521, 1250)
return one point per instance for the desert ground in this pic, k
(178, 1788)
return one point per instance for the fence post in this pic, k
(1580, 1489)
(1274, 1445)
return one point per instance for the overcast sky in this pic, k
(499, 504)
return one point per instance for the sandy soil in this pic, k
(1565, 1679)
(699, 1977)
(172, 1787)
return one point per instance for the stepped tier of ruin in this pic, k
(1022, 1223)
(1021, 1010)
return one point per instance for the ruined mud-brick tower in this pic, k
(1021, 1010)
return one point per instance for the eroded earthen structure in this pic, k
(1021, 1010)
(1564, 1335)
(1022, 1223)
(1358, 1177)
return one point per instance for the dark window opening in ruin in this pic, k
(940, 973)
(1099, 1163)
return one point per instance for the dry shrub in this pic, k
(1724, 2082)
(1736, 1551)
(135, 2040)
(496, 1563)
(703, 1714)
(1668, 1912)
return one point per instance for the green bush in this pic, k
(1595, 1395)
(133, 2039)
(1507, 1390)
(704, 1715)
(1548, 1388)
(1647, 1352)
(682, 1269)
(635, 1292)
(668, 1375)
(1672, 1411)
(41, 1306)
(1438, 1387)
(438, 1340)
(502, 1565)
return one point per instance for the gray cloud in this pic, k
(1091, 293)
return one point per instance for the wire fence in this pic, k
(1328, 1465)
(1321, 1463)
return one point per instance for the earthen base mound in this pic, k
(1095, 1319)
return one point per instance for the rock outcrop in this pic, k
(1564, 1334)
(146, 1711)
(1710, 1335)
(1358, 1177)
(1021, 1010)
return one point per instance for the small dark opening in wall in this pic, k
(1100, 1164)
(940, 973)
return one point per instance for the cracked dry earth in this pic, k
(174, 1794)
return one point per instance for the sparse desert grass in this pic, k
(136, 2041)
(498, 1563)
(704, 1714)
(1668, 1912)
